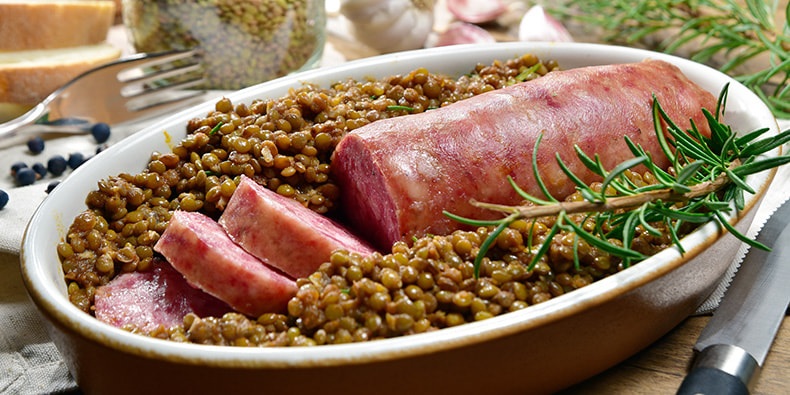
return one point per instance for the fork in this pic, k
(134, 87)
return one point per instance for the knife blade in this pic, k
(733, 345)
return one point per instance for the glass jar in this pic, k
(244, 42)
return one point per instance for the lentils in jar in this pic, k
(242, 42)
(285, 144)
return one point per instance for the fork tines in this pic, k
(162, 79)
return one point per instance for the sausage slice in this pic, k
(203, 253)
(282, 232)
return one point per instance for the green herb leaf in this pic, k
(397, 108)
(521, 77)
(215, 128)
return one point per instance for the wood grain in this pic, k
(660, 368)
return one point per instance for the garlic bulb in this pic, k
(389, 25)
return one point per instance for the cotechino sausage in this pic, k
(397, 175)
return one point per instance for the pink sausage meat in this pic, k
(203, 253)
(160, 296)
(397, 175)
(283, 233)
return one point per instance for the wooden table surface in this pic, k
(660, 368)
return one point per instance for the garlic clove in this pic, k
(464, 33)
(538, 25)
(476, 11)
(390, 25)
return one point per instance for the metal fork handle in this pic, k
(13, 127)
(39, 114)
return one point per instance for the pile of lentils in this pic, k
(286, 144)
(282, 143)
(424, 287)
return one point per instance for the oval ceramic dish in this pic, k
(540, 349)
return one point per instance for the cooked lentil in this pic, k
(286, 144)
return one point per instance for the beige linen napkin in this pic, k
(29, 361)
(13, 218)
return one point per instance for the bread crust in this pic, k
(30, 83)
(54, 24)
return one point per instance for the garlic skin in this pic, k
(390, 25)
(538, 25)
(464, 33)
(476, 11)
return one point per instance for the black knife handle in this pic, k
(710, 381)
(721, 369)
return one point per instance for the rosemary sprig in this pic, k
(708, 181)
(722, 33)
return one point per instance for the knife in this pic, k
(733, 345)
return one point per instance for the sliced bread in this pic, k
(46, 24)
(27, 77)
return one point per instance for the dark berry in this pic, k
(39, 168)
(100, 132)
(17, 166)
(3, 198)
(57, 165)
(75, 160)
(25, 176)
(35, 145)
(52, 185)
